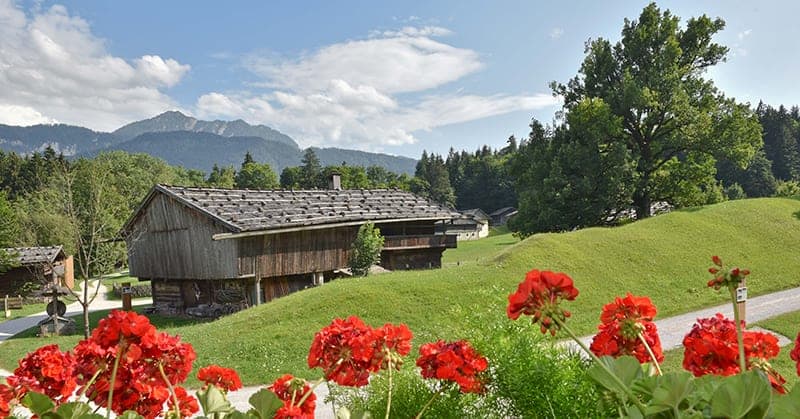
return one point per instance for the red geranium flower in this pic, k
(224, 378)
(144, 353)
(725, 279)
(628, 309)
(7, 396)
(188, 404)
(290, 412)
(795, 354)
(539, 296)
(47, 370)
(454, 361)
(345, 350)
(610, 341)
(291, 390)
(711, 348)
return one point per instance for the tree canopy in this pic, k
(673, 122)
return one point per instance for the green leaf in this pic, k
(265, 403)
(626, 369)
(344, 413)
(38, 403)
(786, 405)
(128, 414)
(671, 393)
(81, 410)
(745, 395)
(212, 400)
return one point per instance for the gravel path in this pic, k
(671, 331)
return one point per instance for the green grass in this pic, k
(473, 251)
(119, 278)
(664, 257)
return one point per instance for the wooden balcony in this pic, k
(430, 241)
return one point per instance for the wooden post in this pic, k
(126, 296)
(5, 307)
(743, 303)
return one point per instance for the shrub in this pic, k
(734, 192)
(366, 249)
(788, 189)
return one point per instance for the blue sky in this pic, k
(394, 77)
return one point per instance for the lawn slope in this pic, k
(665, 257)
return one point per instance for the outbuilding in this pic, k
(243, 247)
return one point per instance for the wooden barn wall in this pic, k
(13, 281)
(412, 259)
(302, 252)
(273, 288)
(175, 296)
(170, 241)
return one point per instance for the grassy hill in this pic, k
(665, 257)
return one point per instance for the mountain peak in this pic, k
(177, 121)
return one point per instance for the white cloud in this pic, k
(51, 64)
(556, 33)
(395, 63)
(367, 93)
(22, 116)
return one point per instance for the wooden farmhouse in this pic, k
(36, 267)
(472, 225)
(205, 246)
(500, 217)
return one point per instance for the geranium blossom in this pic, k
(349, 350)
(629, 309)
(610, 341)
(344, 350)
(454, 361)
(291, 391)
(224, 378)
(711, 348)
(188, 405)
(143, 353)
(46, 370)
(725, 279)
(539, 296)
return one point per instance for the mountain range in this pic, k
(194, 144)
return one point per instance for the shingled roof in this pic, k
(245, 210)
(35, 255)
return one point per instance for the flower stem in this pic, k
(113, 380)
(91, 381)
(430, 402)
(650, 352)
(389, 397)
(739, 333)
(602, 365)
(171, 390)
(310, 391)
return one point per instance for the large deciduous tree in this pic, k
(674, 122)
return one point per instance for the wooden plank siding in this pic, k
(301, 252)
(170, 241)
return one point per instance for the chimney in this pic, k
(335, 182)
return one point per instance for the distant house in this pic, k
(203, 245)
(501, 216)
(37, 266)
(472, 225)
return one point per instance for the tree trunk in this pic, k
(85, 304)
(641, 202)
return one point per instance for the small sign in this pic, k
(741, 294)
(126, 290)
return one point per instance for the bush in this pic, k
(788, 189)
(529, 376)
(734, 192)
(366, 249)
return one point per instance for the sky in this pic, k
(391, 77)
